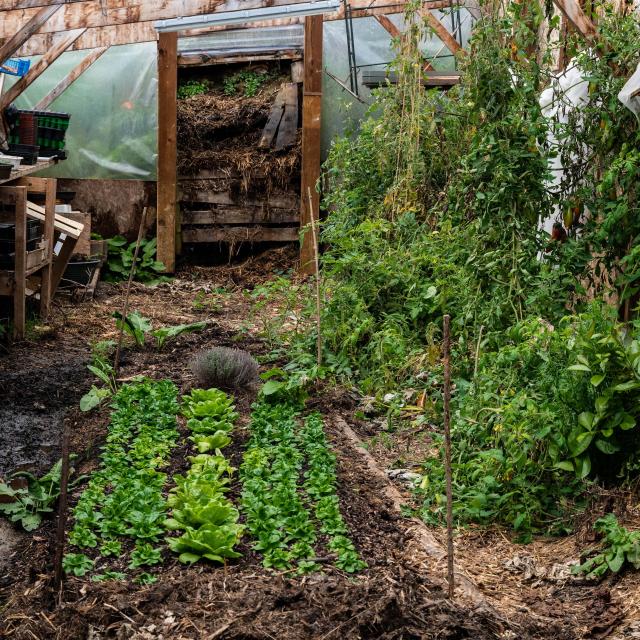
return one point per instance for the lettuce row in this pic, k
(320, 486)
(275, 514)
(123, 498)
(207, 519)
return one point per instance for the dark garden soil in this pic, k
(397, 597)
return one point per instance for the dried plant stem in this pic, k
(316, 259)
(447, 451)
(125, 311)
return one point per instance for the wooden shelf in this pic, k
(27, 169)
(432, 79)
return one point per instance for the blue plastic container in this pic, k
(15, 67)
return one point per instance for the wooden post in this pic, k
(167, 141)
(447, 451)
(49, 220)
(20, 269)
(311, 136)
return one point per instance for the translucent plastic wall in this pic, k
(113, 107)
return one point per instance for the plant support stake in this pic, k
(125, 312)
(62, 506)
(317, 269)
(447, 450)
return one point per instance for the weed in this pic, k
(619, 547)
(192, 88)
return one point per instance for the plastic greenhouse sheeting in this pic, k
(373, 47)
(113, 107)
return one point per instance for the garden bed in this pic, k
(396, 596)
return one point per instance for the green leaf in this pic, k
(628, 422)
(585, 419)
(93, 398)
(607, 446)
(272, 386)
(565, 465)
(583, 467)
(597, 379)
(627, 386)
(579, 367)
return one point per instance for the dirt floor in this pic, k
(525, 591)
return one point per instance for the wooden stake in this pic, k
(447, 451)
(62, 506)
(125, 311)
(315, 217)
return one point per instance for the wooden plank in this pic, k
(167, 144)
(9, 47)
(288, 130)
(20, 270)
(69, 79)
(311, 138)
(206, 60)
(391, 28)
(38, 69)
(242, 234)
(442, 32)
(431, 79)
(240, 215)
(577, 18)
(61, 223)
(144, 31)
(278, 201)
(275, 117)
(297, 72)
(61, 261)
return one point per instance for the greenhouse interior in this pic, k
(319, 319)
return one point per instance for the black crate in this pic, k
(8, 230)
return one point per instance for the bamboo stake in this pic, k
(62, 506)
(447, 450)
(317, 270)
(125, 312)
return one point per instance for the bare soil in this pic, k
(396, 597)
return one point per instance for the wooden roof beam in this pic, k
(442, 32)
(38, 69)
(104, 13)
(131, 33)
(22, 35)
(70, 78)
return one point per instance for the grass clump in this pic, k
(225, 367)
